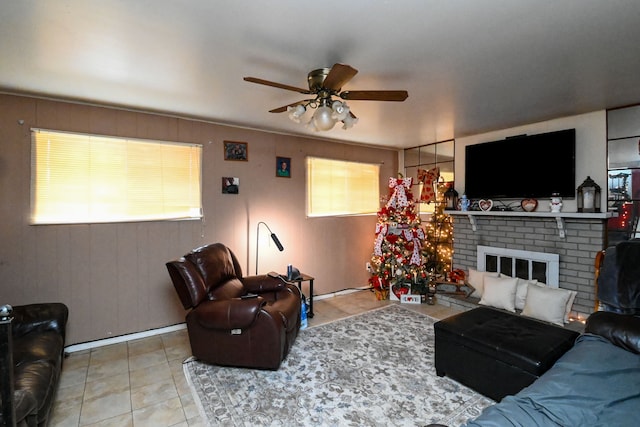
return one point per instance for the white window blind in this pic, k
(338, 187)
(79, 178)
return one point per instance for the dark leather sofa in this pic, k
(234, 320)
(31, 353)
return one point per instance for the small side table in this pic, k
(306, 278)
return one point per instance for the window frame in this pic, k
(101, 173)
(344, 209)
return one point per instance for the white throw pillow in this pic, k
(521, 291)
(500, 292)
(476, 279)
(572, 297)
(548, 304)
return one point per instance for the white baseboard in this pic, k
(338, 293)
(123, 338)
(137, 335)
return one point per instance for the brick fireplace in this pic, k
(576, 238)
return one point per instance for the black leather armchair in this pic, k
(235, 320)
(618, 278)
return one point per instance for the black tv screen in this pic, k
(523, 166)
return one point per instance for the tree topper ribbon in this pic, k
(417, 236)
(399, 196)
(428, 178)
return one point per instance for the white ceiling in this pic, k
(469, 66)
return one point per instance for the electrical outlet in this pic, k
(368, 267)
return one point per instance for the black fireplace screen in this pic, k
(524, 268)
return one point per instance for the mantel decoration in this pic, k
(397, 262)
(485, 205)
(588, 197)
(529, 205)
(464, 203)
(556, 203)
(451, 198)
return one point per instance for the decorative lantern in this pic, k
(588, 196)
(451, 198)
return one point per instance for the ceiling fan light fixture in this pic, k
(349, 121)
(340, 110)
(324, 84)
(322, 118)
(296, 113)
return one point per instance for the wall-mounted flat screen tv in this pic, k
(522, 166)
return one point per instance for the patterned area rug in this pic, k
(373, 369)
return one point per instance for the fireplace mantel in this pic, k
(558, 216)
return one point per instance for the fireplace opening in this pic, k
(518, 263)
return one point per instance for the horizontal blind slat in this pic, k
(80, 178)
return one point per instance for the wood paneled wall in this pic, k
(112, 276)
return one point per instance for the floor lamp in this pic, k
(273, 237)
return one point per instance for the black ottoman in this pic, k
(497, 353)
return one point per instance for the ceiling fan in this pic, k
(324, 85)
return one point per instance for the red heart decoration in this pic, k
(485, 205)
(529, 205)
(399, 290)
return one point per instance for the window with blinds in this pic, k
(337, 187)
(79, 178)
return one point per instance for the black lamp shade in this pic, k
(277, 242)
(273, 237)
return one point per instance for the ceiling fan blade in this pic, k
(339, 75)
(375, 95)
(284, 108)
(274, 84)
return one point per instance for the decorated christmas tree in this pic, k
(438, 243)
(397, 263)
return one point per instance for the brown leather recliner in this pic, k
(233, 320)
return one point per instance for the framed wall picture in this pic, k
(283, 167)
(230, 185)
(234, 150)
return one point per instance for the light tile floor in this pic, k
(141, 383)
